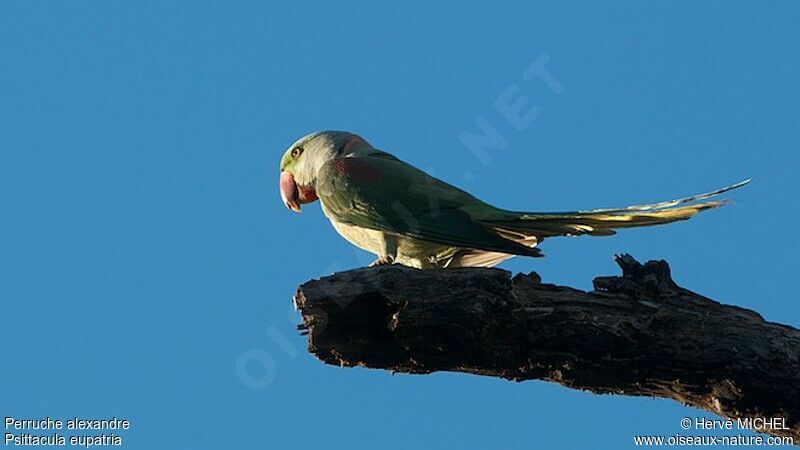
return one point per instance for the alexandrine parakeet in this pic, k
(403, 215)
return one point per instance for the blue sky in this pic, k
(145, 251)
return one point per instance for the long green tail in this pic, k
(603, 222)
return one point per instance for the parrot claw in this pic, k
(385, 260)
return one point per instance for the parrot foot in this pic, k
(385, 260)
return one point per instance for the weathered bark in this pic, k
(639, 334)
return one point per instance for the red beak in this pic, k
(289, 191)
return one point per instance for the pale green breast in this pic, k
(410, 252)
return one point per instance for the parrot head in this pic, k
(303, 160)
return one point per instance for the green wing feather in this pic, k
(378, 191)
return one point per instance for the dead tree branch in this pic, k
(638, 334)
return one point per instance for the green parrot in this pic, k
(403, 215)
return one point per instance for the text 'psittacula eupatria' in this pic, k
(401, 214)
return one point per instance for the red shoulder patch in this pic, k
(357, 169)
(352, 142)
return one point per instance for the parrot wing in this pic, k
(378, 191)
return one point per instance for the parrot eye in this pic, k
(297, 151)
